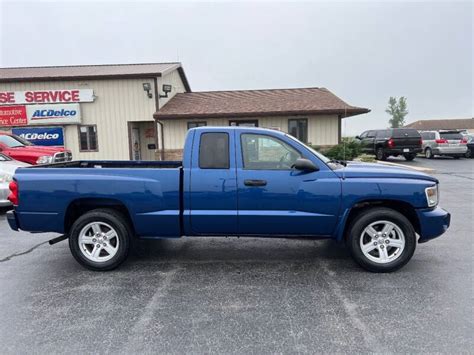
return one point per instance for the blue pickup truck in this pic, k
(233, 181)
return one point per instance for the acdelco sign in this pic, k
(49, 136)
(53, 114)
(46, 96)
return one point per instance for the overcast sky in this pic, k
(364, 52)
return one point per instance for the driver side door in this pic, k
(273, 198)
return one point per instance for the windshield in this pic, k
(4, 158)
(318, 154)
(13, 141)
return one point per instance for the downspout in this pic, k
(157, 108)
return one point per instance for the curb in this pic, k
(417, 168)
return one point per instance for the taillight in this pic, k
(463, 141)
(391, 143)
(441, 141)
(13, 197)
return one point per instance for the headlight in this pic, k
(432, 195)
(45, 159)
(4, 177)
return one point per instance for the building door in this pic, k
(136, 148)
(244, 123)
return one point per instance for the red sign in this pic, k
(13, 116)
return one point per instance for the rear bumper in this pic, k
(433, 223)
(400, 150)
(461, 150)
(12, 220)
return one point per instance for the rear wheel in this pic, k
(468, 154)
(428, 153)
(99, 239)
(409, 157)
(380, 154)
(382, 240)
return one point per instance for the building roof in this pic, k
(252, 103)
(426, 125)
(104, 71)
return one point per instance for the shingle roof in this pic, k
(465, 123)
(90, 72)
(251, 103)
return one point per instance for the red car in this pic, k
(22, 150)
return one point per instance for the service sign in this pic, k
(53, 114)
(46, 136)
(46, 96)
(13, 116)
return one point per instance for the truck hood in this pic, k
(380, 171)
(37, 149)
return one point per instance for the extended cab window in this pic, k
(214, 151)
(261, 152)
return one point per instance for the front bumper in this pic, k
(433, 223)
(4, 192)
(12, 220)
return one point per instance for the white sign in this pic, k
(46, 96)
(53, 114)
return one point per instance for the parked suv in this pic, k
(22, 150)
(392, 141)
(448, 143)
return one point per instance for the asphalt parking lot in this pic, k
(209, 295)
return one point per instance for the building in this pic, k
(465, 124)
(143, 111)
(313, 115)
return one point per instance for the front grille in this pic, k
(61, 157)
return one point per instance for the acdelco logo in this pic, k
(53, 113)
(43, 136)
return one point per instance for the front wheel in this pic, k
(381, 240)
(99, 240)
(468, 154)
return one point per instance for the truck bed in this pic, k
(115, 164)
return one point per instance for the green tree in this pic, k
(398, 110)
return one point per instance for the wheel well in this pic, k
(404, 208)
(81, 206)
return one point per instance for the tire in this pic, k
(409, 157)
(384, 256)
(380, 154)
(115, 236)
(428, 153)
(468, 154)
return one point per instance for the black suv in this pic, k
(392, 141)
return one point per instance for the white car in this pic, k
(7, 169)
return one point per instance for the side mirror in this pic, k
(305, 165)
(358, 137)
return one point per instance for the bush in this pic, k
(348, 149)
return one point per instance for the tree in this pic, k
(398, 110)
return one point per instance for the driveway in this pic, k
(210, 295)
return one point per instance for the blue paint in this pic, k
(169, 200)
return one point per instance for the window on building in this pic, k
(88, 138)
(261, 152)
(214, 151)
(196, 124)
(298, 128)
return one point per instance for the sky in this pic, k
(364, 52)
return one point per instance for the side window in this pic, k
(363, 135)
(214, 151)
(370, 134)
(261, 152)
(382, 134)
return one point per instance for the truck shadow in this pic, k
(204, 250)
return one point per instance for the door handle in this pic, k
(255, 182)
